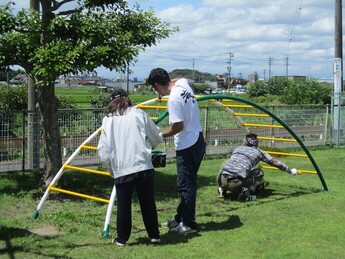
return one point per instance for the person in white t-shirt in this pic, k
(128, 135)
(184, 120)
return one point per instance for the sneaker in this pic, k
(115, 241)
(182, 229)
(221, 192)
(251, 198)
(156, 240)
(261, 186)
(170, 223)
(244, 194)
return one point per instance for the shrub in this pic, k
(307, 92)
(256, 89)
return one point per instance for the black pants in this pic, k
(145, 190)
(188, 162)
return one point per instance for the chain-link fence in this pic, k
(223, 131)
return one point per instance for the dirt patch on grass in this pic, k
(46, 231)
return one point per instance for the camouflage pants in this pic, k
(234, 183)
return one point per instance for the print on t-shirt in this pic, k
(186, 95)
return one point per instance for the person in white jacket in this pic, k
(127, 138)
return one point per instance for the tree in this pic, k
(276, 85)
(256, 89)
(58, 41)
(307, 92)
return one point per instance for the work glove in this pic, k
(161, 136)
(293, 171)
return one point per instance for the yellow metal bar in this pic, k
(78, 194)
(268, 167)
(278, 139)
(227, 101)
(262, 125)
(285, 154)
(86, 170)
(306, 172)
(151, 107)
(299, 171)
(161, 100)
(153, 118)
(223, 100)
(236, 106)
(89, 147)
(250, 114)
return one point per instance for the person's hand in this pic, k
(293, 171)
(161, 136)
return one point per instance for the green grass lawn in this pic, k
(82, 95)
(292, 218)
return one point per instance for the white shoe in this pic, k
(182, 229)
(221, 192)
(115, 241)
(170, 223)
(156, 240)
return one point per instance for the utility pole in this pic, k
(8, 75)
(264, 75)
(287, 66)
(231, 55)
(338, 70)
(127, 78)
(193, 75)
(33, 136)
(269, 67)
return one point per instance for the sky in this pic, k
(246, 36)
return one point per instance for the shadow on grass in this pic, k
(232, 222)
(165, 185)
(272, 195)
(7, 234)
(101, 186)
(19, 182)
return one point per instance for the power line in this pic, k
(294, 24)
(292, 34)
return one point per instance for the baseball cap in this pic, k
(118, 93)
(251, 140)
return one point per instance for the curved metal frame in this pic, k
(281, 122)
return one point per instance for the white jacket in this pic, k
(126, 142)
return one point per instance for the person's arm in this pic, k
(275, 162)
(104, 153)
(152, 131)
(174, 129)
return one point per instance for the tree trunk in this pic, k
(48, 105)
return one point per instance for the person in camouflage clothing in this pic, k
(239, 174)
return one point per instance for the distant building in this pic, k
(327, 80)
(294, 78)
(253, 77)
(221, 81)
(19, 79)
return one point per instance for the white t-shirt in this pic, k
(183, 106)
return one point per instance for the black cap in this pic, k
(118, 93)
(251, 140)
